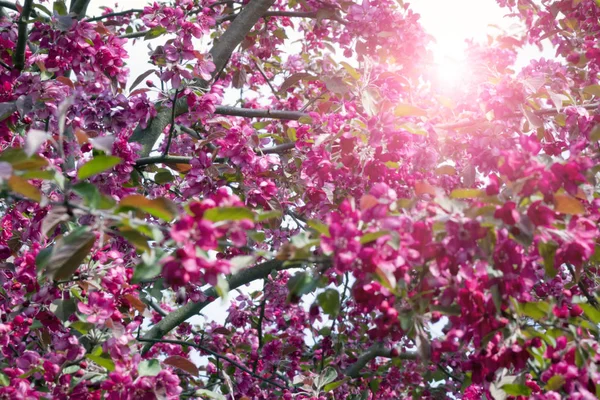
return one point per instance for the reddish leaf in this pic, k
(183, 364)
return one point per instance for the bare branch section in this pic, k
(79, 8)
(19, 55)
(116, 14)
(378, 350)
(173, 319)
(291, 14)
(220, 53)
(9, 5)
(166, 159)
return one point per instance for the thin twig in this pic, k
(591, 299)
(19, 55)
(264, 75)
(166, 159)
(172, 128)
(115, 14)
(5, 65)
(261, 317)
(217, 355)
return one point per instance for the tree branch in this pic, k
(214, 354)
(166, 159)
(377, 350)
(220, 53)
(242, 278)
(19, 55)
(260, 113)
(115, 14)
(172, 129)
(9, 5)
(79, 8)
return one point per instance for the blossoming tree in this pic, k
(377, 237)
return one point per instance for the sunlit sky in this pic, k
(449, 22)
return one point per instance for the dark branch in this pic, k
(260, 113)
(378, 350)
(187, 311)
(214, 354)
(299, 14)
(172, 129)
(115, 14)
(166, 159)
(133, 35)
(19, 55)
(79, 8)
(9, 5)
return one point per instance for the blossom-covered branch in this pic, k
(175, 318)
(220, 53)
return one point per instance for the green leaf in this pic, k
(19, 160)
(33, 174)
(374, 385)
(513, 389)
(4, 380)
(149, 368)
(266, 215)
(222, 286)
(82, 327)
(147, 269)
(466, 193)
(102, 360)
(594, 90)
(372, 236)
(328, 376)
(63, 309)
(228, 214)
(305, 119)
(89, 193)
(160, 207)
(21, 186)
(42, 258)
(333, 385)
(71, 369)
(350, 69)
(555, 382)
(301, 283)
(97, 165)
(548, 251)
(329, 300)
(69, 252)
(319, 227)
(163, 176)
(536, 310)
(407, 110)
(135, 238)
(155, 32)
(60, 7)
(591, 312)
